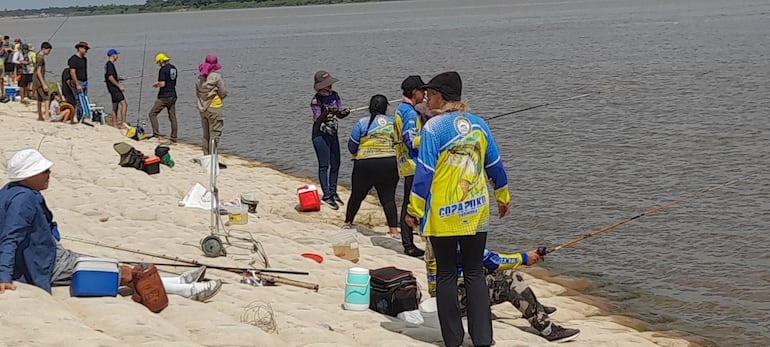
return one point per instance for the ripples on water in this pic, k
(687, 110)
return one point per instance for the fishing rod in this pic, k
(548, 103)
(57, 29)
(270, 279)
(542, 251)
(367, 107)
(225, 268)
(142, 75)
(141, 84)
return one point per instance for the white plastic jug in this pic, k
(357, 289)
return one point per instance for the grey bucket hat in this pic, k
(323, 79)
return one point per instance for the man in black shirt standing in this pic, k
(116, 89)
(166, 95)
(79, 79)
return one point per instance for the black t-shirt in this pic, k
(66, 90)
(80, 65)
(109, 70)
(167, 74)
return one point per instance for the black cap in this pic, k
(411, 83)
(448, 84)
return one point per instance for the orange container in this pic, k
(308, 198)
(152, 165)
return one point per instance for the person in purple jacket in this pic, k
(327, 108)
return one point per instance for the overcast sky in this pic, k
(17, 4)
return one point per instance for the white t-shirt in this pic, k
(52, 111)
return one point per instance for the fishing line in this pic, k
(544, 250)
(603, 90)
(57, 29)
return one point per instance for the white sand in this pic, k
(92, 197)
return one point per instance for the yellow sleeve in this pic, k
(416, 206)
(502, 195)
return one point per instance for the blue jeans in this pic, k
(82, 101)
(327, 150)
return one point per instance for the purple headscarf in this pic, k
(210, 65)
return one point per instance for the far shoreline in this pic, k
(112, 10)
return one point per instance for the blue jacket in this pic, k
(27, 241)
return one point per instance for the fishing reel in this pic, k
(542, 251)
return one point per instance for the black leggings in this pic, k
(479, 314)
(380, 173)
(407, 239)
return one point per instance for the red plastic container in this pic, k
(308, 198)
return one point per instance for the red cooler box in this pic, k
(308, 198)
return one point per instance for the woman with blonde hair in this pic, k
(450, 203)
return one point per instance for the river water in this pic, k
(685, 108)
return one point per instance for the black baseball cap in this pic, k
(411, 83)
(448, 84)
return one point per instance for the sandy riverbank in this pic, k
(92, 197)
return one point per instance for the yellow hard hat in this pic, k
(161, 57)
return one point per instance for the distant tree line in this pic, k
(162, 6)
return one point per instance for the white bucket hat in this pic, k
(25, 164)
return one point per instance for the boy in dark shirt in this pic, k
(116, 89)
(78, 64)
(166, 85)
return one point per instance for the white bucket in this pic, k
(429, 312)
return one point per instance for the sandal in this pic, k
(395, 236)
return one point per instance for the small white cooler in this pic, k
(95, 277)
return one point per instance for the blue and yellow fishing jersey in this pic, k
(449, 193)
(372, 138)
(407, 125)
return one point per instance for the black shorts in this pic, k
(25, 81)
(9, 67)
(116, 95)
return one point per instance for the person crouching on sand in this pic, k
(58, 113)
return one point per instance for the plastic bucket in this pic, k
(357, 289)
(429, 312)
(237, 215)
(345, 245)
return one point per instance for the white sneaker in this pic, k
(192, 276)
(203, 291)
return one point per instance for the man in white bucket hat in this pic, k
(29, 238)
(28, 234)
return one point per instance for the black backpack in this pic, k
(129, 156)
(393, 291)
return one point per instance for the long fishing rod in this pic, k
(224, 268)
(143, 74)
(548, 103)
(57, 29)
(141, 84)
(544, 250)
(367, 107)
(185, 262)
(270, 279)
